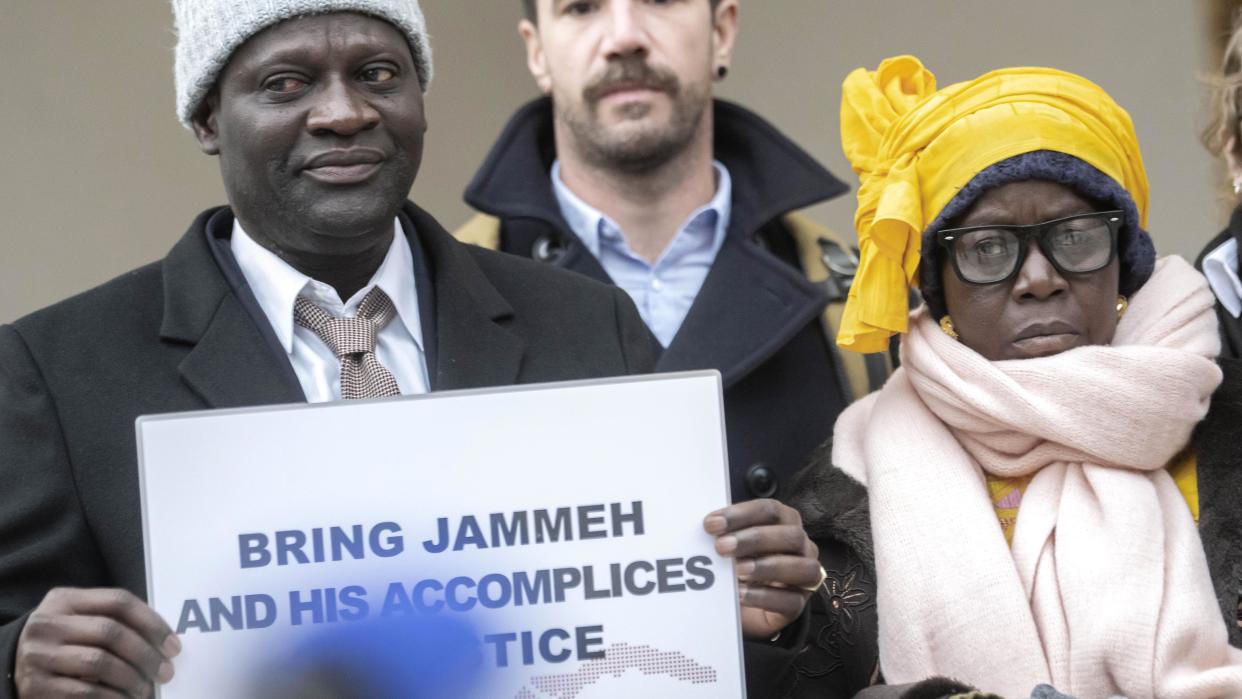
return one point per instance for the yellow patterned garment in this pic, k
(914, 147)
(1007, 492)
(1006, 495)
(1186, 475)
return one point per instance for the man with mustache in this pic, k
(627, 171)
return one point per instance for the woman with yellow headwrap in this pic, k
(1032, 502)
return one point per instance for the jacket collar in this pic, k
(771, 174)
(235, 359)
(513, 181)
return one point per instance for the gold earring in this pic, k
(946, 324)
(1122, 304)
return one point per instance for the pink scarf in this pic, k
(1106, 590)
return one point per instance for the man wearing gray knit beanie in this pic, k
(315, 111)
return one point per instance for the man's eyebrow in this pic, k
(308, 54)
(285, 54)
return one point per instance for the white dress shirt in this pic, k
(276, 285)
(1221, 269)
(663, 291)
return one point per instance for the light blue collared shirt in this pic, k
(663, 291)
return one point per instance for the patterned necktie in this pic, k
(352, 340)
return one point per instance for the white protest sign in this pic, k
(562, 523)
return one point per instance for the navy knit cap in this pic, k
(1134, 246)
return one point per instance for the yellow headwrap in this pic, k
(914, 147)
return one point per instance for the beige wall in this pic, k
(96, 175)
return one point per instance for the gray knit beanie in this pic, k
(209, 31)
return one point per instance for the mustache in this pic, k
(631, 72)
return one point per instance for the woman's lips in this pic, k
(1045, 345)
(1044, 337)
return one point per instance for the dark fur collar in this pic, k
(834, 505)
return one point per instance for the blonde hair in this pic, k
(1226, 85)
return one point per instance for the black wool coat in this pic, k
(185, 333)
(756, 318)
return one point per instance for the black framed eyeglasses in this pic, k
(1074, 245)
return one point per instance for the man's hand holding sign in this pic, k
(93, 642)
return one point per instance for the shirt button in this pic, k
(656, 285)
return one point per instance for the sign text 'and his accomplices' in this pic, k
(493, 590)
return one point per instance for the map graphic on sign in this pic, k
(619, 659)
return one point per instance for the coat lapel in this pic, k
(551, 241)
(232, 366)
(750, 305)
(231, 363)
(474, 347)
